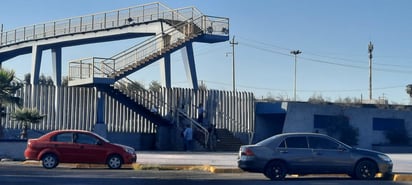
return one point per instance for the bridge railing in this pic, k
(152, 46)
(185, 30)
(89, 23)
(94, 66)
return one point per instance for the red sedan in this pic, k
(77, 146)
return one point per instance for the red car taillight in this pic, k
(248, 152)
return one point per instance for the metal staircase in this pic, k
(183, 27)
(94, 70)
(180, 117)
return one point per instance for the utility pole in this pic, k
(295, 52)
(1, 38)
(370, 49)
(233, 43)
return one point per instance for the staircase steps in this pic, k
(226, 141)
(133, 105)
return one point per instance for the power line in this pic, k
(329, 62)
(305, 90)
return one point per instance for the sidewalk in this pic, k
(215, 162)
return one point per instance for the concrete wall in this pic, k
(300, 118)
(137, 141)
(12, 149)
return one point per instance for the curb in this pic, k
(402, 177)
(139, 166)
(208, 168)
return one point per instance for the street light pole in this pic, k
(295, 52)
(370, 49)
(233, 43)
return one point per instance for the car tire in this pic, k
(276, 170)
(366, 170)
(114, 162)
(49, 161)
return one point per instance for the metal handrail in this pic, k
(180, 112)
(156, 44)
(87, 23)
(136, 53)
(197, 125)
(251, 132)
(193, 122)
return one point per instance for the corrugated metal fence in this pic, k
(75, 108)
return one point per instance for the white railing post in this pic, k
(118, 18)
(92, 68)
(1, 34)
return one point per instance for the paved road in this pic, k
(402, 162)
(34, 175)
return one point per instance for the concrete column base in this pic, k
(163, 138)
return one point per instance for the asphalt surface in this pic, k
(214, 162)
(217, 162)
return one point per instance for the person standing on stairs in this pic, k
(188, 137)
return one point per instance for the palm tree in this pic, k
(26, 116)
(8, 90)
(8, 87)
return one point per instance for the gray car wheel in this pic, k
(366, 169)
(114, 162)
(275, 170)
(49, 161)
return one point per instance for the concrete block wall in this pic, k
(12, 149)
(300, 118)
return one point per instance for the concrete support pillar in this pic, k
(57, 72)
(36, 61)
(165, 70)
(100, 127)
(163, 138)
(189, 62)
(57, 66)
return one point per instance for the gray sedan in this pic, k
(311, 153)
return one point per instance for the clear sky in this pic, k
(333, 36)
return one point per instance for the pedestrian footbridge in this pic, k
(169, 30)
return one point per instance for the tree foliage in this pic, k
(155, 86)
(409, 90)
(316, 98)
(26, 116)
(43, 79)
(8, 89)
(202, 86)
